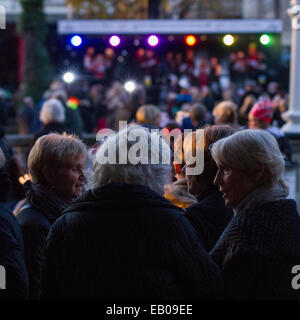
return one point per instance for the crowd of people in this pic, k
(80, 227)
(172, 82)
(89, 228)
(197, 66)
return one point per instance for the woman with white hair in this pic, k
(122, 239)
(52, 116)
(260, 246)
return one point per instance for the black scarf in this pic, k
(43, 198)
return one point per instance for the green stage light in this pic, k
(265, 39)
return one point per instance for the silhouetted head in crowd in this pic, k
(198, 184)
(60, 95)
(198, 115)
(149, 115)
(225, 113)
(260, 115)
(52, 112)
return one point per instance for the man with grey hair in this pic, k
(52, 116)
(52, 111)
(122, 239)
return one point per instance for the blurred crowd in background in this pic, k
(181, 90)
(173, 83)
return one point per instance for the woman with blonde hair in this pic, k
(56, 165)
(225, 113)
(261, 245)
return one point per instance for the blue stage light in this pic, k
(76, 41)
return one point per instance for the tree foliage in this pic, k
(144, 9)
(182, 9)
(112, 9)
(37, 71)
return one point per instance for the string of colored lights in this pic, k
(190, 40)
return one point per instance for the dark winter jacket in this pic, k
(12, 257)
(258, 250)
(35, 219)
(124, 241)
(73, 121)
(210, 217)
(53, 127)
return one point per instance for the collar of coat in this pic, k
(273, 231)
(121, 195)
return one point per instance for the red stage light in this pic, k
(190, 40)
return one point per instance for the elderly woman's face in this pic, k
(69, 181)
(234, 184)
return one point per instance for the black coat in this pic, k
(258, 250)
(35, 227)
(35, 219)
(210, 217)
(12, 257)
(53, 127)
(124, 241)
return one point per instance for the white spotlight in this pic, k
(130, 86)
(69, 77)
